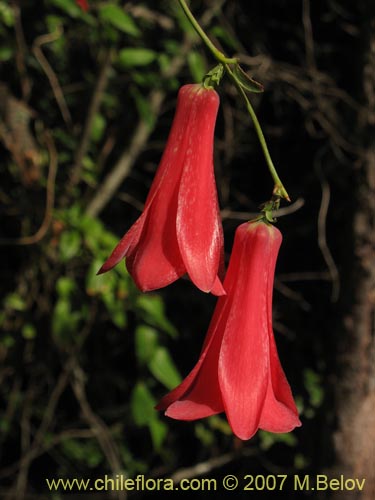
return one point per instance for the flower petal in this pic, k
(149, 271)
(199, 229)
(125, 245)
(198, 395)
(279, 411)
(244, 356)
(203, 398)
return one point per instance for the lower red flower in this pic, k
(239, 371)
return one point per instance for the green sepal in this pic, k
(212, 79)
(247, 82)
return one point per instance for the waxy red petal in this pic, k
(244, 357)
(199, 230)
(239, 370)
(154, 247)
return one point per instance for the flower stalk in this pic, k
(279, 189)
(219, 56)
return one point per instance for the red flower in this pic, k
(83, 4)
(239, 371)
(180, 229)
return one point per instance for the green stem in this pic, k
(219, 56)
(279, 189)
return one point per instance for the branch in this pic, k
(50, 200)
(94, 106)
(51, 75)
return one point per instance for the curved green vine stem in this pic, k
(279, 189)
(219, 56)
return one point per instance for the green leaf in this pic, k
(151, 308)
(146, 342)
(246, 81)
(226, 37)
(117, 17)
(6, 53)
(197, 65)
(268, 439)
(98, 127)
(313, 384)
(115, 309)
(163, 368)
(158, 431)
(64, 320)
(7, 341)
(6, 14)
(28, 331)
(87, 452)
(99, 284)
(69, 7)
(65, 286)
(15, 302)
(205, 436)
(220, 424)
(70, 245)
(142, 405)
(132, 57)
(143, 107)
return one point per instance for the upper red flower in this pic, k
(83, 4)
(180, 229)
(239, 371)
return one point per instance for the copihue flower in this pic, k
(83, 4)
(180, 228)
(239, 371)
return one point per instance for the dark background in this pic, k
(78, 376)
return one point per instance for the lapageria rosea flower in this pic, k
(180, 228)
(83, 4)
(239, 371)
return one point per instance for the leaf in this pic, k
(152, 311)
(102, 284)
(6, 53)
(197, 65)
(146, 341)
(313, 384)
(142, 405)
(143, 107)
(131, 57)
(158, 431)
(226, 37)
(98, 127)
(117, 17)
(15, 302)
(163, 368)
(70, 245)
(65, 286)
(115, 309)
(246, 81)
(28, 331)
(268, 439)
(69, 7)
(6, 14)
(64, 321)
(87, 452)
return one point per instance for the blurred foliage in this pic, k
(83, 355)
